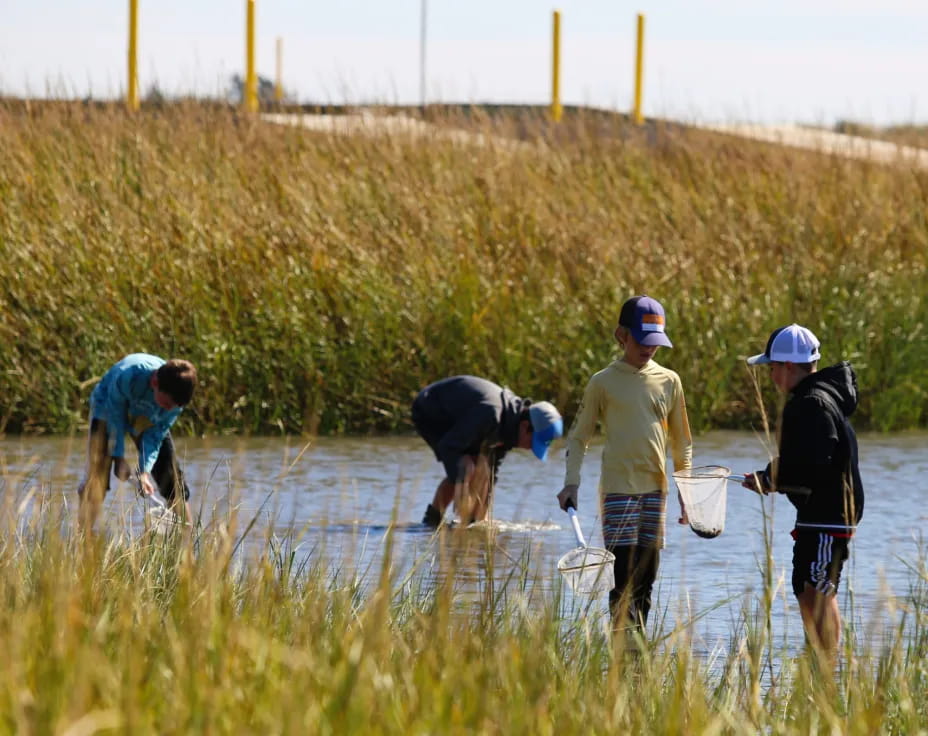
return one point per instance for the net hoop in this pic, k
(703, 471)
(161, 520)
(588, 570)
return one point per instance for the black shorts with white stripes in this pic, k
(817, 560)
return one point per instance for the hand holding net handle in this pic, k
(787, 490)
(572, 513)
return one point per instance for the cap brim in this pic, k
(761, 359)
(652, 339)
(541, 440)
(540, 449)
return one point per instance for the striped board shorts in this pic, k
(633, 521)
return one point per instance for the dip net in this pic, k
(588, 570)
(704, 490)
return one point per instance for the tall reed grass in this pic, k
(318, 281)
(147, 634)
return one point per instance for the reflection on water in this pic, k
(337, 500)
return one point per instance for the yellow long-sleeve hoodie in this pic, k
(639, 410)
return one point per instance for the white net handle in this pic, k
(572, 513)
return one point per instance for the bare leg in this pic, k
(94, 486)
(472, 500)
(822, 620)
(182, 509)
(444, 494)
(435, 510)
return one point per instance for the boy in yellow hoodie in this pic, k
(641, 407)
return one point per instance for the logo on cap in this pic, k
(652, 322)
(644, 318)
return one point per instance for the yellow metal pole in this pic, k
(639, 64)
(423, 29)
(279, 85)
(251, 79)
(556, 109)
(132, 93)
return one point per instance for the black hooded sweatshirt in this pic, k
(466, 415)
(818, 450)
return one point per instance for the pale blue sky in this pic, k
(784, 60)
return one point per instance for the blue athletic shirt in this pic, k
(125, 400)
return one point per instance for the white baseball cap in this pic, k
(791, 344)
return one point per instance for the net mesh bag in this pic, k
(588, 570)
(161, 520)
(704, 490)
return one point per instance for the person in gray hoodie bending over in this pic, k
(470, 424)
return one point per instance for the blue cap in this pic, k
(546, 426)
(644, 318)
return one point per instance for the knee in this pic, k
(815, 604)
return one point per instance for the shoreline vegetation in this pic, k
(318, 281)
(135, 632)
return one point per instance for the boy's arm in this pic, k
(678, 426)
(150, 445)
(808, 441)
(578, 440)
(681, 440)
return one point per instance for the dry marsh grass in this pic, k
(318, 281)
(138, 634)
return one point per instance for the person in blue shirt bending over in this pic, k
(141, 395)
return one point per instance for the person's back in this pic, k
(125, 397)
(474, 406)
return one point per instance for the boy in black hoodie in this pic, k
(817, 469)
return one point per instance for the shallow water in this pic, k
(338, 498)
